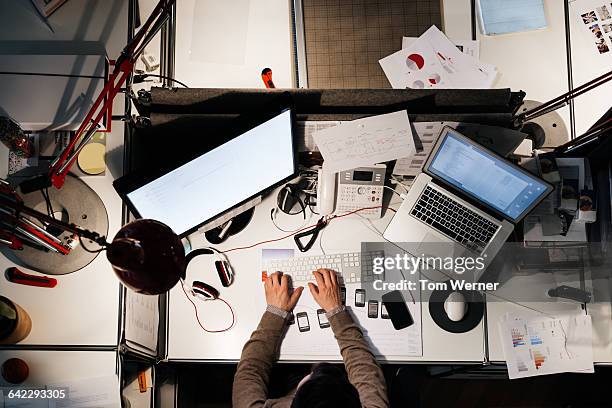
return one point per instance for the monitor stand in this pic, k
(240, 218)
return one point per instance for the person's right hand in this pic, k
(326, 292)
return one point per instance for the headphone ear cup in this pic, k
(226, 274)
(205, 291)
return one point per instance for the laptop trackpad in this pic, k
(439, 247)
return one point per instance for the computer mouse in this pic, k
(455, 306)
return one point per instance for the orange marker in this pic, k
(266, 76)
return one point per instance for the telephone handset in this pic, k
(351, 190)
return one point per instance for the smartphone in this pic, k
(291, 319)
(323, 322)
(384, 314)
(343, 295)
(360, 296)
(397, 310)
(302, 321)
(373, 309)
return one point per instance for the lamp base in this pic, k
(75, 203)
(548, 130)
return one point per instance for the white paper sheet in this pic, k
(433, 61)
(546, 346)
(366, 141)
(97, 392)
(142, 319)
(468, 47)
(383, 339)
(305, 130)
(427, 133)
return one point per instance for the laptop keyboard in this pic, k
(453, 219)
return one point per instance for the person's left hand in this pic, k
(278, 293)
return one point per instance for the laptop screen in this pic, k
(490, 179)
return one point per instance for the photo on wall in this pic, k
(603, 12)
(589, 17)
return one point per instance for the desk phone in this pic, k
(356, 188)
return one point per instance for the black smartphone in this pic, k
(360, 296)
(384, 314)
(343, 295)
(323, 322)
(302, 321)
(291, 319)
(373, 309)
(397, 309)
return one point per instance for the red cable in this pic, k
(195, 308)
(302, 229)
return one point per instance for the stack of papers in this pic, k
(540, 346)
(432, 61)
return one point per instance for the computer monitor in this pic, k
(256, 160)
(491, 180)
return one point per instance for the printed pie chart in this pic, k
(415, 61)
(435, 79)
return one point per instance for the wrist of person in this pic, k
(334, 311)
(277, 311)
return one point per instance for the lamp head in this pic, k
(147, 256)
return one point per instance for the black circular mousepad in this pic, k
(473, 315)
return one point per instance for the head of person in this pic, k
(326, 387)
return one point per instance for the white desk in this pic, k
(187, 341)
(227, 44)
(84, 307)
(533, 61)
(59, 366)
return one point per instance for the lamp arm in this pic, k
(18, 207)
(560, 101)
(103, 104)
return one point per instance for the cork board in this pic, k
(346, 38)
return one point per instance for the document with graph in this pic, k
(539, 346)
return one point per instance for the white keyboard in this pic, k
(348, 266)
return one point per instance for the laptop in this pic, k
(466, 202)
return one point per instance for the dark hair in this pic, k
(328, 387)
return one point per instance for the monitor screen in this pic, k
(490, 179)
(221, 178)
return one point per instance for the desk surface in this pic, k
(187, 341)
(84, 307)
(536, 62)
(60, 366)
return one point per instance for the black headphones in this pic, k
(292, 194)
(202, 290)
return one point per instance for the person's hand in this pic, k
(278, 293)
(326, 292)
